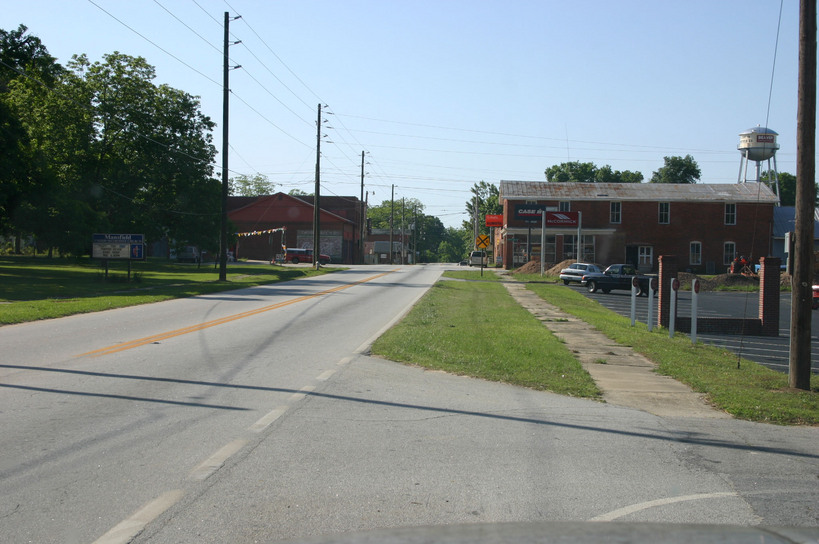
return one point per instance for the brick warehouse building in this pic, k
(269, 221)
(704, 225)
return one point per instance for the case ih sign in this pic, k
(531, 213)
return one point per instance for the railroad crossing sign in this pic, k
(482, 241)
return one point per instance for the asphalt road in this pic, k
(772, 352)
(257, 415)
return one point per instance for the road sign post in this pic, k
(482, 242)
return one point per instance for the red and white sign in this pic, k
(494, 220)
(561, 219)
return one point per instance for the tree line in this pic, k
(99, 147)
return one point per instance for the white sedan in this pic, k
(576, 271)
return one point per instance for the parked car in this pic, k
(616, 276)
(298, 255)
(477, 258)
(575, 272)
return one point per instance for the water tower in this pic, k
(758, 144)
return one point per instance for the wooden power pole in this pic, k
(802, 292)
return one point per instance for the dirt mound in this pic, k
(533, 267)
(721, 280)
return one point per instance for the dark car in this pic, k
(298, 255)
(616, 276)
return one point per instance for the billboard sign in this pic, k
(494, 220)
(129, 247)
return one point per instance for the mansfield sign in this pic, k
(119, 246)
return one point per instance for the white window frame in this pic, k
(615, 212)
(730, 217)
(564, 206)
(645, 256)
(695, 258)
(727, 258)
(666, 212)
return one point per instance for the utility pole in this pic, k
(392, 215)
(316, 198)
(225, 133)
(403, 235)
(362, 220)
(802, 281)
(223, 230)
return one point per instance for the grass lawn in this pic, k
(475, 328)
(751, 391)
(34, 288)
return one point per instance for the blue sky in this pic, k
(444, 94)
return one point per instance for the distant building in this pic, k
(704, 225)
(266, 223)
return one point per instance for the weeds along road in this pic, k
(772, 352)
(257, 415)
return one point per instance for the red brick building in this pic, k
(704, 225)
(265, 223)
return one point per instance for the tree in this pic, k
(255, 185)
(787, 187)
(677, 170)
(488, 201)
(587, 172)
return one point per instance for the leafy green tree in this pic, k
(24, 61)
(255, 185)
(487, 197)
(787, 187)
(576, 171)
(606, 174)
(587, 172)
(677, 170)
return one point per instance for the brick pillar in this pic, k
(769, 295)
(507, 252)
(668, 270)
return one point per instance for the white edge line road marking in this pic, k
(345, 361)
(127, 529)
(611, 516)
(268, 418)
(295, 397)
(215, 461)
(324, 376)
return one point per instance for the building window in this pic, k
(564, 206)
(614, 212)
(730, 214)
(645, 257)
(664, 213)
(586, 252)
(695, 253)
(729, 252)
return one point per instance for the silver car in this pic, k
(575, 272)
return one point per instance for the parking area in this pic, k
(772, 352)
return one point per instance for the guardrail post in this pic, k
(672, 316)
(695, 291)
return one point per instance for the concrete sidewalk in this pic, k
(625, 377)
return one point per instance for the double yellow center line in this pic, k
(207, 324)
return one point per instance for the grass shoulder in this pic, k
(476, 328)
(742, 388)
(41, 288)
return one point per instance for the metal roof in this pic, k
(666, 192)
(785, 221)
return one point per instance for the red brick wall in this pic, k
(702, 222)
